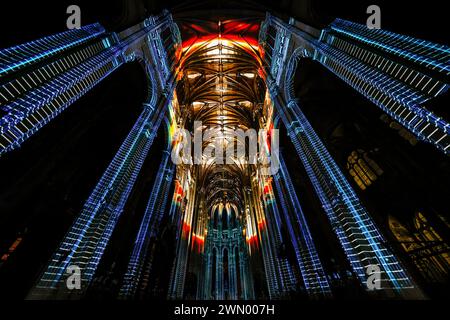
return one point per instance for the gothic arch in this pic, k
(289, 75)
(152, 92)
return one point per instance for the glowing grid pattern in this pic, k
(426, 53)
(14, 58)
(48, 91)
(399, 89)
(358, 235)
(313, 275)
(87, 239)
(356, 231)
(149, 226)
(396, 72)
(279, 274)
(73, 62)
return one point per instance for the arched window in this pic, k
(226, 278)
(436, 248)
(216, 218)
(213, 274)
(425, 248)
(225, 219)
(238, 272)
(363, 169)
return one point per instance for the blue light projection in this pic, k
(397, 73)
(313, 275)
(86, 241)
(398, 88)
(87, 238)
(152, 217)
(70, 64)
(14, 58)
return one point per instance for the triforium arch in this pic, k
(288, 80)
(150, 72)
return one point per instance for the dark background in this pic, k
(27, 20)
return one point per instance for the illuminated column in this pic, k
(43, 77)
(314, 277)
(246, 276)
(397, 73)
(256, 222)
(184, 234)
(205, 284)
(360, 238)
(242, 272)
(279, 273)
(38, 92)
(149, 227)
(21, 56)
(256, 225)
(84, 244)
(40, 79)
(209, 259)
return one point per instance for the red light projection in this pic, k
(253, 241)
(262, 224)
(232, 30)
(242, 34)
(179, 193)
(197, 243)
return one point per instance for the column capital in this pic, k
(148, 106)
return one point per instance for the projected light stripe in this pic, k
(280, 276)
(14, 58)
(86, 241)
(358, 235)
(36, 107)
(400, 86)
(426, 53)
(313, 275)
(150, 223)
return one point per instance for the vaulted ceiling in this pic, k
(221, 87)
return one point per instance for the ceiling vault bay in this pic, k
(220, 85)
